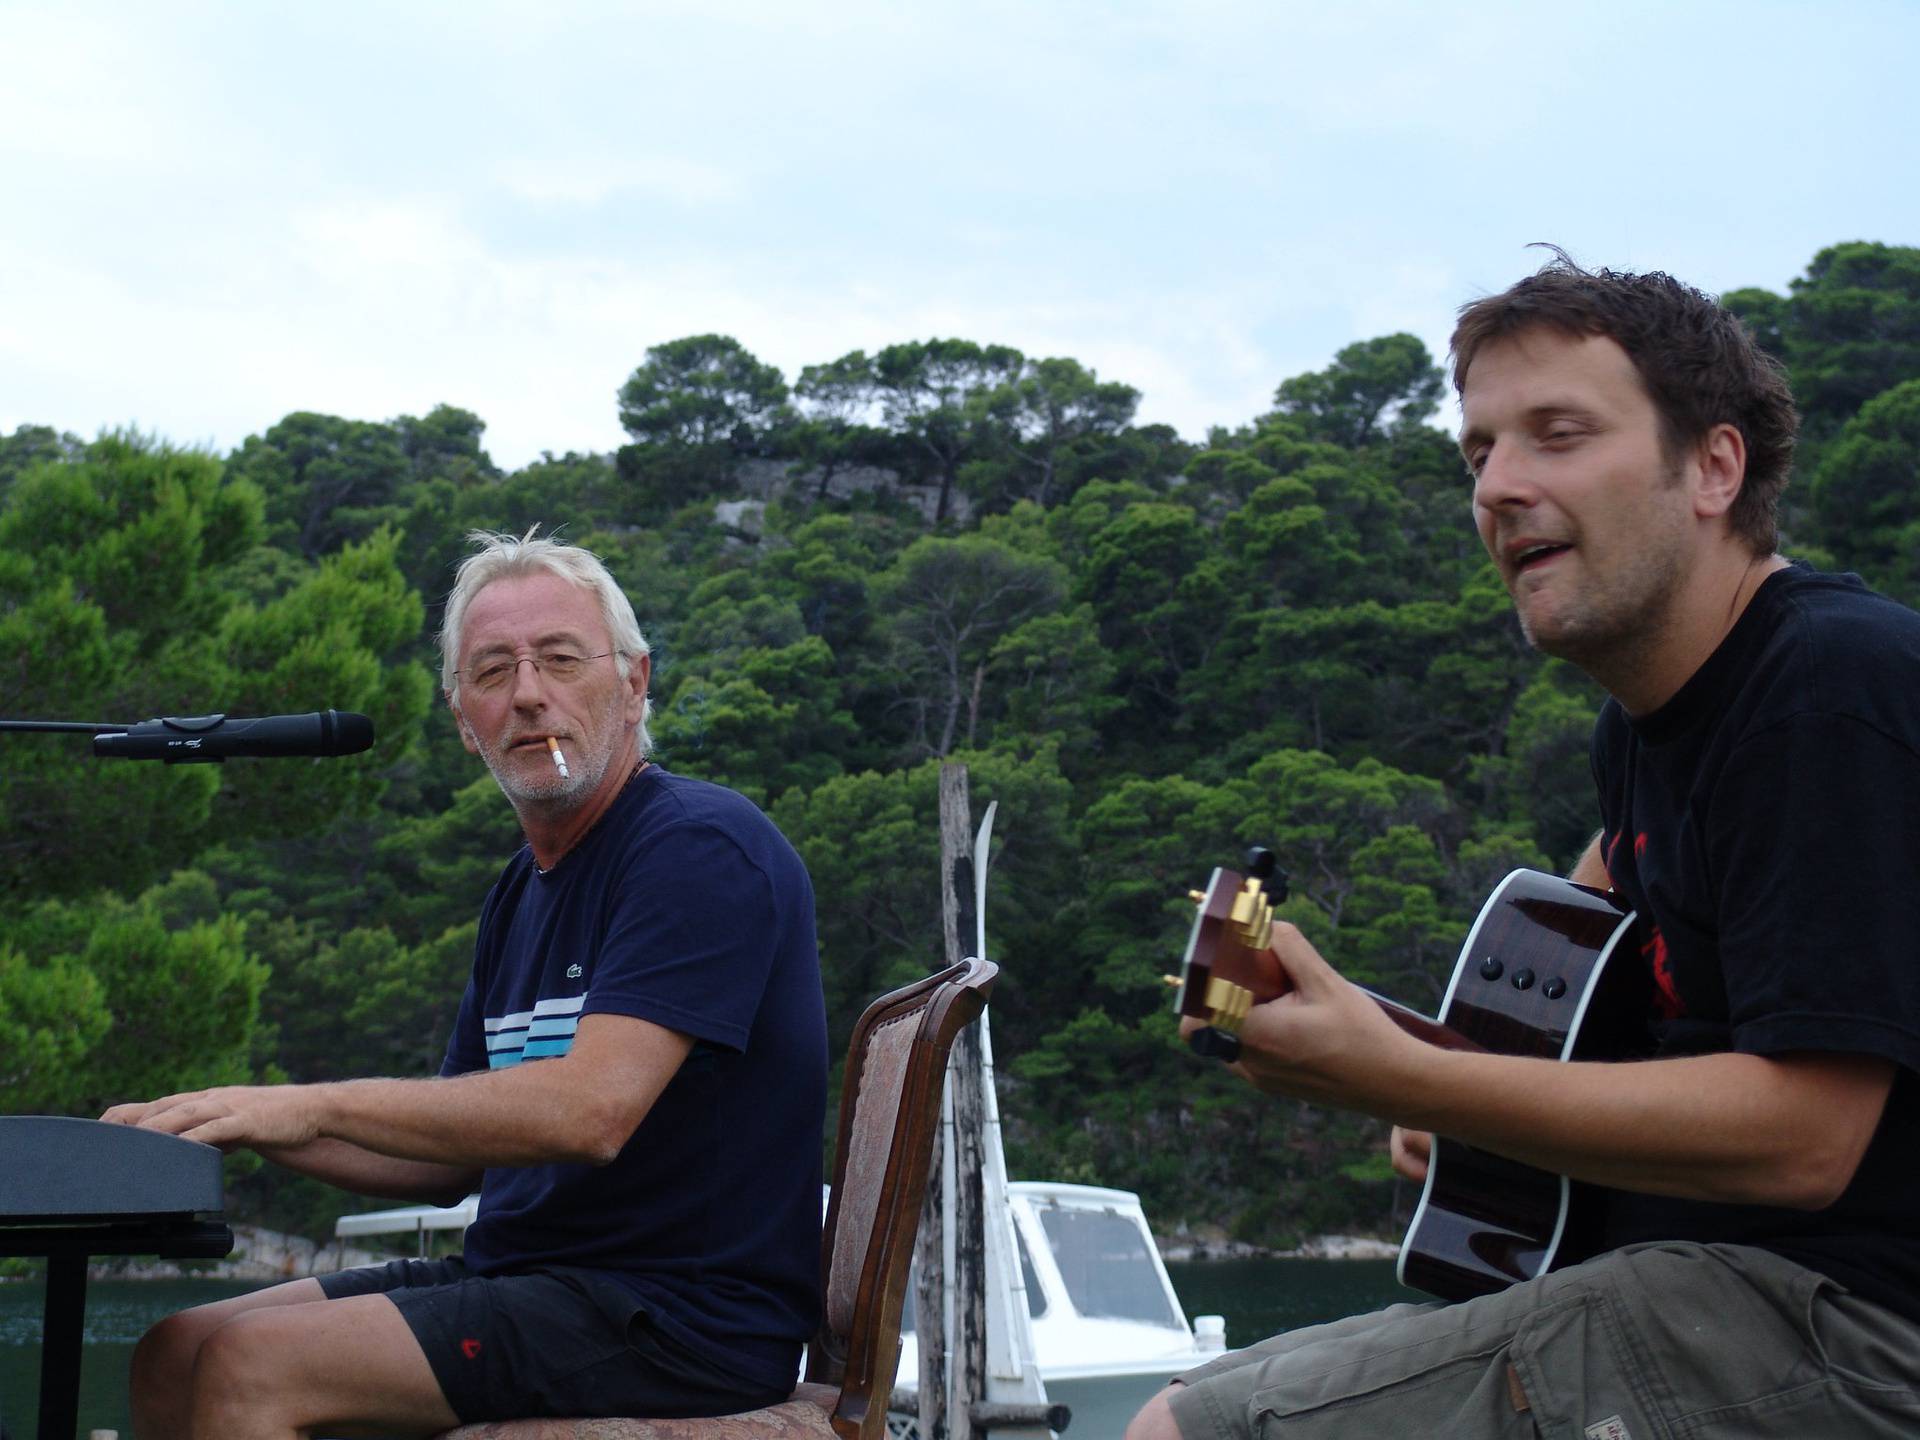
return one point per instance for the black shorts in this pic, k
(558, 1341)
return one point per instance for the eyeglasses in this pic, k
(562, 667)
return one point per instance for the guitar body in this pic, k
(1541, 974)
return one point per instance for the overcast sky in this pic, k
(214, 214)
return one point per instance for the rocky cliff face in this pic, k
(257, 1255)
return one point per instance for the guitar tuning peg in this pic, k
(1262, 866)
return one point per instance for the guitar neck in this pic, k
(1421, 1027)
(1230, 966)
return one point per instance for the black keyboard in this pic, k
(70, 1186)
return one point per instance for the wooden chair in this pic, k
(889, 1124)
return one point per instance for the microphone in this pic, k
(214, 738)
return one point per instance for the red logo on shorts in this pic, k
(470, 1348)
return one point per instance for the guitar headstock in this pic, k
(1229, 966)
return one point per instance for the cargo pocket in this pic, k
(1868, 1358)
(1440, 1388)
(1576, 1370)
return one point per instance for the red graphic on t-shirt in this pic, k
(1666, 994)
(470, 1348)
(1659, 961)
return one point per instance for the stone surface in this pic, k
(257, 1255)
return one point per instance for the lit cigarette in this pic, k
(559, 760)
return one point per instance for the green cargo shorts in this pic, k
(1645, 1343)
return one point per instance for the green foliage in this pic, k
(1147, 833)
(1056, 679)
(32, 445)
(938, 396)
(827, 568)
(829, 433)
(445, 445)
(1852, 328)
(700, 392)
(694, 408)
(1372, 386)
(160, 1000)
(52, 1015)
(1765, 316)
(116, 604)
(1096, 1098)
(1161, 594)
(364, 1003)
(329, 480)
(330, 641)
(770, 726)
(874, 860)
(1848, 330)
(1536, 783)
(949, 604)
(110, 600)
(1866, 494)
(1060, 423)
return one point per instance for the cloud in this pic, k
(221, 214)
(581, 181)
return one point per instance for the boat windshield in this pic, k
(1108, 1269)
(1030, 1282)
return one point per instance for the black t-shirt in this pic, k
(686, 907)
(1765, 825)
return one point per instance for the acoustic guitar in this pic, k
(1541, 974)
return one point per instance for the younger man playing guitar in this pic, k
(1758, 768)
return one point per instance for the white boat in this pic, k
(1104, 1328)
(416, 1220)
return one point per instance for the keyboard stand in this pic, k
(67, 1249)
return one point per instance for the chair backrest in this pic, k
(889, 1124)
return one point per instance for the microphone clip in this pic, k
(173, 739)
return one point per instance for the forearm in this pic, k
(365, 1172)
(530, 1115)
(1728, 1127)
(579, 1107)
(1778, 1130)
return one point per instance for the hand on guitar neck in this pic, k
(1326, 1040)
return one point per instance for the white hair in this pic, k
(505, 557)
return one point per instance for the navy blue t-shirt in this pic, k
(1765, 825)
(684, 906)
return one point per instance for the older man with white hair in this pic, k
(636, 1083)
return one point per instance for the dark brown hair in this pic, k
(1700, 366)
